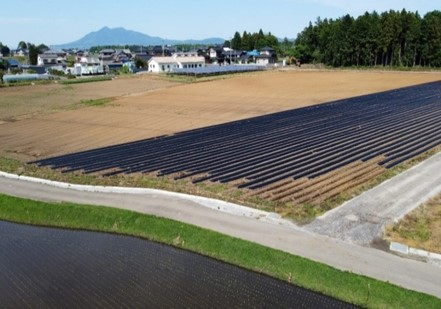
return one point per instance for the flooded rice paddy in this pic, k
(53, 268)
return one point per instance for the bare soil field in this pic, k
(39, 121)
(24, 102)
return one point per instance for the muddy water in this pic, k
(53, 268)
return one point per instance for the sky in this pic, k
(53, 22)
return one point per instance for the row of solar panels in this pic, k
(217, 69)
(305, 142)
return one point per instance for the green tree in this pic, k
(140, 63)
(22, 45)
(412, 48)
(3, 68)
(4, 50)
(431, 38)
(42, 48)
(124, 70)
(236, 41)
(246, 42)
(306, 43)
(3, 64)
(286, 48)
(34, 51)
(394, 38)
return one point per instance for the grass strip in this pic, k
(353, 288)
(97, 102)
(86, 80)
(419, 229)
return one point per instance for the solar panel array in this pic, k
(306, 143)
(217, 70)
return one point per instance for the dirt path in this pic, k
(276, 234)
(361, 220)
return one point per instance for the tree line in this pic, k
(250, 41)
(394, 38)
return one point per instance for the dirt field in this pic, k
(38, 121)
(24, 102)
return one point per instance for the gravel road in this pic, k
(362, 219)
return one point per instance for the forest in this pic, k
(393, 38)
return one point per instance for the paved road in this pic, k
(276, 234)
(362, 219)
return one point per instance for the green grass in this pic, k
(27, 83)
(97, 102)
(346, 286)
(86, 80)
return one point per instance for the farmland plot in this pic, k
(55, 268)
(303, 155)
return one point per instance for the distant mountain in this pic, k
(121, 36)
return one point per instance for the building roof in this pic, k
(13, 62)
(54, 52)
(163, 59)
(168, 60)
(190, 59)
(267, 48)
(253, 53)
(107, 51)
(48, 56)
(37, 68)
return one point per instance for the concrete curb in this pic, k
(218, 205)
(432, 258)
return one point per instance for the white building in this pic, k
(162, 64)
(86, 66)
(168, 64)
(51, 57)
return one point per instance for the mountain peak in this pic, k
(119, 36)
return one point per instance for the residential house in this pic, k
(20, 52)
(122, 55)
(162, 64)
(231, 55)
(164, 51)
(51, 58)
(249, 57)
(106, 55)
(186, 54)
(79, 54)
(169, 64)
(191, 62)
(88, 65)
(13, 63)
(33, 69)
(215, 54)
(143, 55)
(267, 56)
